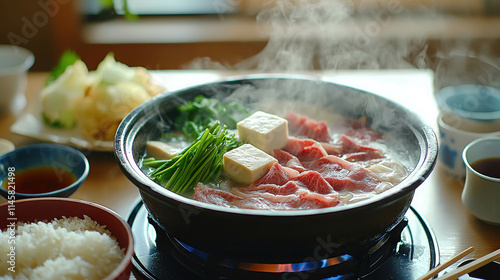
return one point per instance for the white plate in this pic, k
(30, 123)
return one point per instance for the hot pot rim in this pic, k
(132, 123)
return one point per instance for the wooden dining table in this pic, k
(438, 199)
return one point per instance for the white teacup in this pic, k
(454, 134)
(481, 193)
(14, 64)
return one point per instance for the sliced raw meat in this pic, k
(305, 149)
(314, 182)
(286, 189)
(360, 130)
(292, 173)
(276, 175)
(295, 145)
(301, 200)
(357, 157)
(320, 163)
(213, 196)
(332, 149)
(268, 202)
(353, 151)
(311, 200)
(343, 175)
(303, 126)
(286, 159)
(363, 134)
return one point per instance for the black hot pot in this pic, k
(280, 236)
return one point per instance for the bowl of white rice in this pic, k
(63, 238)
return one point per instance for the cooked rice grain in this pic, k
(67, 248)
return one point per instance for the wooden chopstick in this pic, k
(439, 268)
(471, 266)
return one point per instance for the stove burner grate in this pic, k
(409, 249)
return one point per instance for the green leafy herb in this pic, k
(67, 58)
(202, 112)
(199, 162)
(127, 14)
(57, 123)
(109, 4)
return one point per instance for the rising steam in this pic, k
(328, 35)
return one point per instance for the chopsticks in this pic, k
(471, 266)
(464, 269)
(439, 268)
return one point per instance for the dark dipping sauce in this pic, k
(41, 180)
(489, 167)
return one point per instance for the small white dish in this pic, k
(30, 123)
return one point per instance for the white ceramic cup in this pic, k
(481, 193)
(14, 64)
(454, 134)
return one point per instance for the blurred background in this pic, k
(172, 34)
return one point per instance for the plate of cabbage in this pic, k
(83, 108)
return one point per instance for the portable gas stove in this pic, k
(406, 252)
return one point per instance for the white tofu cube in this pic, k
(265, 131)
(161, 150)
(246, 163)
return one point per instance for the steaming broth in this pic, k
(381, 173)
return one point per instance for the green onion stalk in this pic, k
(199, 162)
